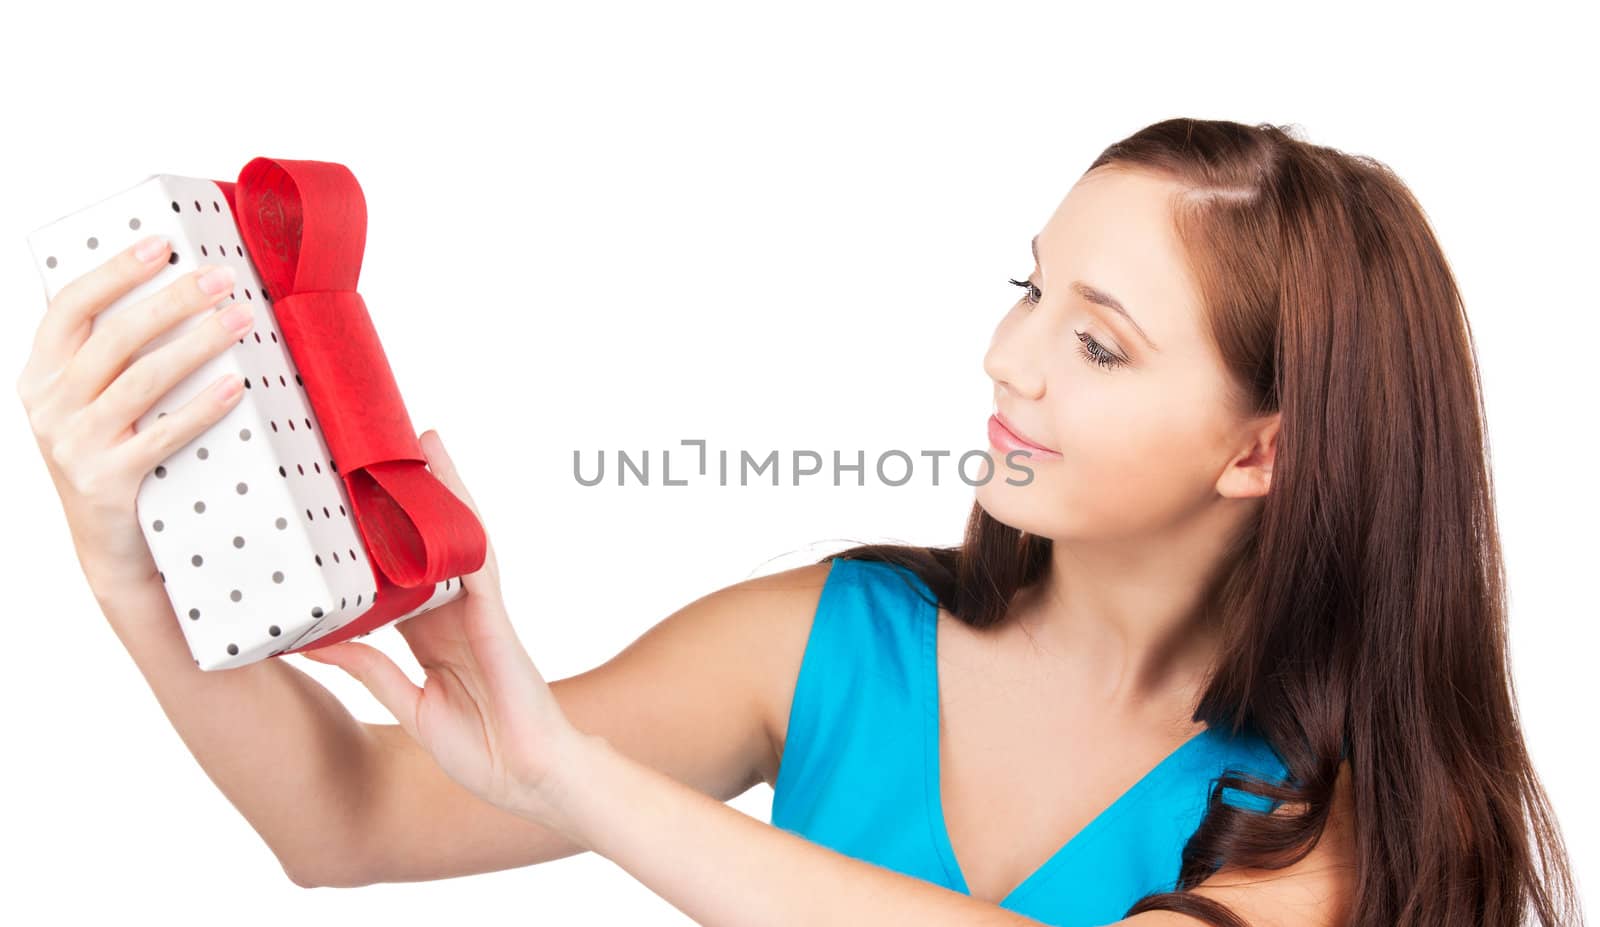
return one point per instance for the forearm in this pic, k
(720, 866)
(281, 747)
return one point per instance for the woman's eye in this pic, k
(1033, 293)
(1096, 353)
(1092, 350)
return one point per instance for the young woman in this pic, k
(1234, 654)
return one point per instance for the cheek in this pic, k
(1131, 462)
(1127, 471)
(1129, 445)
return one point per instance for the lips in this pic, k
(1020, 437)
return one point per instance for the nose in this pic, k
(1011, 364)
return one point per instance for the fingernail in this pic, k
(229, 387)
(237, 317)
(150, 248)
(216, 280)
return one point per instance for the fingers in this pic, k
(373, 669)
(152, 376)
(84, 432)
(141, 453)
(64, 325)
(105, 354)
(445, 469)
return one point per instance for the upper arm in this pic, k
(1316, 891)
(696, 697)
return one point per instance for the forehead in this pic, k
(1113, 230)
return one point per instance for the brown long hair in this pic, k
(1364, 612)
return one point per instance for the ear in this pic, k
(1250, 474)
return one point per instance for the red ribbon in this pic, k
(305, 226)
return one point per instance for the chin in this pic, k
(1024, 508)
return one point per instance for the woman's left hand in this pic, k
(484, 713)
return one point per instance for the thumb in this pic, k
(445, 469)
(442, 467)
(373, 669)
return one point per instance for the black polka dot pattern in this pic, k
(256, 585)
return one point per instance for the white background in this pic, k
(770, 227)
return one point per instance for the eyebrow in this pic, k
(1099, 297)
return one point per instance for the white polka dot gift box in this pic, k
(306, 515)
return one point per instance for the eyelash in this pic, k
(1092, 350)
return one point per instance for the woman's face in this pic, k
(1133, 406)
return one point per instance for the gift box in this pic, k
(265, 545)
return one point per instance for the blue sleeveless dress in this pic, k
(860, 766)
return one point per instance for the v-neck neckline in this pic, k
(935, 797)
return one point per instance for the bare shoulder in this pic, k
(1317, 891)
(774, 645)
(695, 694)
(751, 636)
(760, 624)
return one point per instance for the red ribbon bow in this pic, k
(305, 226)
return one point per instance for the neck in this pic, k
(1126, 615)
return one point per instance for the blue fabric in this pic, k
(860, 772)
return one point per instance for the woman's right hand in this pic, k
(83, 397)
